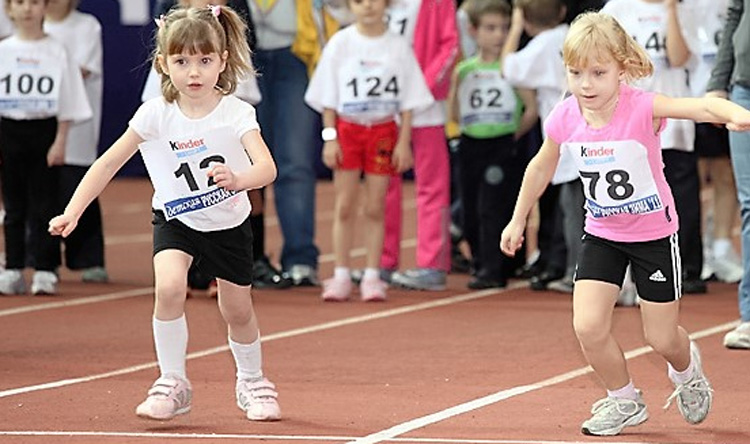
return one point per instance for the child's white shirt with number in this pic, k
(38, 80)
(179, 152)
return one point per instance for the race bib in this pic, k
(371, 88)
(616, 177)
(29, 84)
(486, 99)
(402, 17)
(178, 169)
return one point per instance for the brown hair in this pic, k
(546, 13)
(476, 9)
(200, 30)
(598, 36)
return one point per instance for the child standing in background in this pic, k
(430, 26)
(612, 131)
(82, 36)
(202, 148)
(493, 116)
(42, 93)
(366, 77)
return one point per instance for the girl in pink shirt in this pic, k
(612, 130)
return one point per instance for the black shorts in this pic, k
(711, 141)
(656, 267)
(225, 254)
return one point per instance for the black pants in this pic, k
(490, 179)
(84, 248)
(28, 191)
(681, 171)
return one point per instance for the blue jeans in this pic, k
(291, 129)
(739, 145)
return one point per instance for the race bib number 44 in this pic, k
(179, 171)
(30, 84)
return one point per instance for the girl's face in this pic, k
(597, 85)
(491, 32)
(368, 12)
(27, 14)
(194, 75)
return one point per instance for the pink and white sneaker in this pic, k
(258, 399)
(170, 396)
(372, 290)
(336, 290)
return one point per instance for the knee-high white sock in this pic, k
(170, 339)
(247, 358)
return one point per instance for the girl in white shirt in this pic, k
(202, 148)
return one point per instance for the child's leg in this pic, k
(593, 305)
(255, 395)
(374, 211)
(346, 186)
(171, 394)
(664, 334)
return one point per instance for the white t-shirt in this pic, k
(708, 32)
(367, 79)
(82, 36)
(37, 81)
(247, 89)
(647, 23)
(158, 120)
(6, 26)
(539, 66)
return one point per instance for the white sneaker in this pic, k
(44, 282)
(728, 268)
(12, 282)
(739, 337)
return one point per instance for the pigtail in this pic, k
(636, 62)
(238, 51)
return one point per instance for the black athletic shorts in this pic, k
(225, 254)
(656, 267)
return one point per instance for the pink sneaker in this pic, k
(372, 290)
(336, 290)
(168, 397)
(258, 400)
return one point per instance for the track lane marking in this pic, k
(272, 337)
(417, 423)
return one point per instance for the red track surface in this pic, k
(453, 366)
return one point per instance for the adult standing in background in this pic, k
(731, 77)
(290, 35)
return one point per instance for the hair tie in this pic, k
(215, 9)
(160, 21)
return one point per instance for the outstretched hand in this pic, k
(62, 225)
(740, 121)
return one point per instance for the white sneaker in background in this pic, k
(12, 282)
(728, 267)
(44, 282)
(739, 337)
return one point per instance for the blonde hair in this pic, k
(595, 36)
(200, 30)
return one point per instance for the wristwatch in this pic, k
(329, 134)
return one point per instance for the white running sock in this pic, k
(341, 273)
(371, 274)
(170, 340)
(722, 247)
(247, 358)
(683, 376)
(627, 392)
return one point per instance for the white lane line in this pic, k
(271, 337)
(322, 259)
(78, 301)
(417, 423)
(232, 436)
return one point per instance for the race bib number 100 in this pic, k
(179, 170)
(29, 84)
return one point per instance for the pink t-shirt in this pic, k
(627, 196)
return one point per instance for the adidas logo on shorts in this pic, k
(657, 276)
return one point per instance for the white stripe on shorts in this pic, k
(674, 243)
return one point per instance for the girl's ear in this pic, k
(162, 64)
(224, 57)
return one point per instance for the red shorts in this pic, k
(367, 148)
